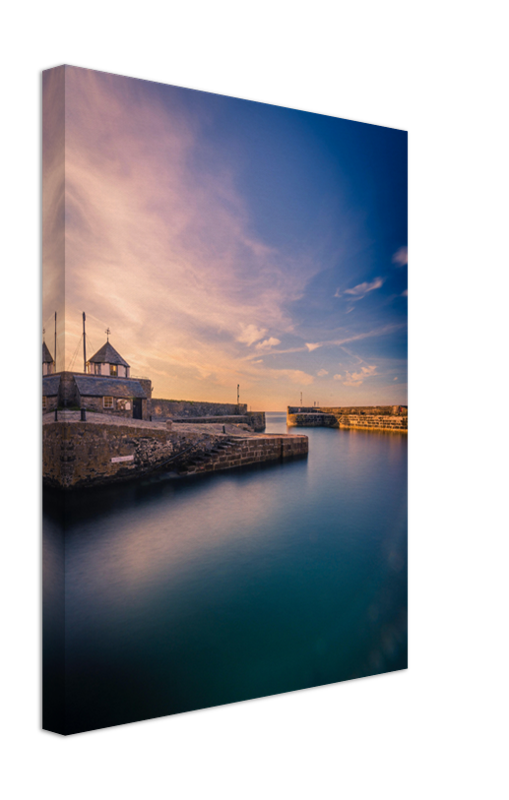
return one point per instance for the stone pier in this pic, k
(104, 449)
(386, 418)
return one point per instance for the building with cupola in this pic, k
(48, 363)
(108, 362)
(105, 386)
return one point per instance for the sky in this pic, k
(224, 242)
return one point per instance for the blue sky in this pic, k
(225, 242)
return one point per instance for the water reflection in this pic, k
(199, 592)
(53, 655)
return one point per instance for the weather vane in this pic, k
(107, 334)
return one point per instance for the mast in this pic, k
(84, 345)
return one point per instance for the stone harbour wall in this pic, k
(253, 450)
(343, 410)
(311, 420)
(389, 418)
(375, 422)
(80, 454)
(255, 420)
(161, 408)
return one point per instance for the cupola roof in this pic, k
(47, 358)
(108, 355)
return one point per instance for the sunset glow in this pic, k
(226, 242)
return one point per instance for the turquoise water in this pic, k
(184, 594)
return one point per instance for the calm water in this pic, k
(182, 594)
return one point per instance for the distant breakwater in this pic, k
(380, 418)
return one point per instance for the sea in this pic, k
(182, 594)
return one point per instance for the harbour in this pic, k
(213, 531)
(268, 578)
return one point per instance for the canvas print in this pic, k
(224, 400)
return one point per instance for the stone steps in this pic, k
(246, 451)
(204, 463)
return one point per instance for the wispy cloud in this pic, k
(400, 257)
(268, 343)
(357, 378)
(383, 331)
(321, 373)
(362, 289)
(254, 354)
(295, 375)
(250, 334)
(337, 377)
